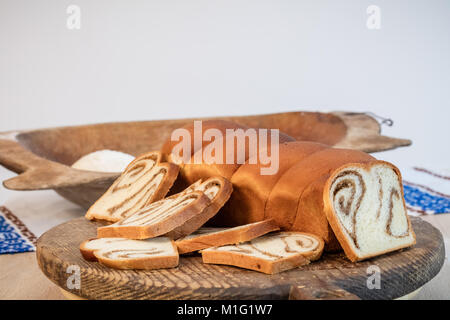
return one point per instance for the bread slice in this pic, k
(213, 237)
(365, 207)
(272, 253)
(158, 218)
(144, 181)
(120, 253)
(218, 190)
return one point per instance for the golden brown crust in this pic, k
(160, 262)
(310, 218)
(159, 228)
(202, 170)
(224, 237)
(225, 190)
(252, 189)
(220, 125)
(332, 218)
(240, 259)
(184, 180)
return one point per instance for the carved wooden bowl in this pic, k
(42, 158)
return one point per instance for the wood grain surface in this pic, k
(401, 272)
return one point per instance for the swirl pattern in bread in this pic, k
(121, 253)
(158, 218)
(368, 225)
(272, 253)
(218, 191)
(144, 181)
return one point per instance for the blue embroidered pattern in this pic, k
(422, 200)
(11, 241)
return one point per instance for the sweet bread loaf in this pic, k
(272, 253)
(158, 218)
(120, 253)
(295, 199)
(247, 204)
(212, 237)
(144, 181)
(218, 190)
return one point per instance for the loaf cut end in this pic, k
(365, 207)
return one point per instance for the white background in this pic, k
(140, 60)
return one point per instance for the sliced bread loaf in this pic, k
(144, 181)
(272, 253)
(120, 253)
(158, 218)
(213, 237)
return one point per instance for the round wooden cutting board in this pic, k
(333, 276)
